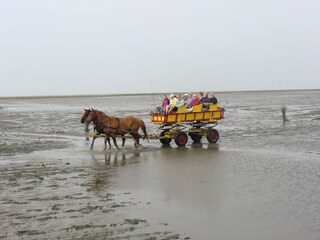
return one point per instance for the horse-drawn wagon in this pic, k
(196, 123)
(178, 125)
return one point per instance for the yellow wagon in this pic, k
(196, 123)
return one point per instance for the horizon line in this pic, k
(135, 94)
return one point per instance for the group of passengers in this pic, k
(188, 99)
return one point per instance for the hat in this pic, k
(172, 95)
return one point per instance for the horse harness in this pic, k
(111, 127)
(101, 126)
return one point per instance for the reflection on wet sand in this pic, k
(213, 146)
(118, 158)
(100, 175)
(103, 169)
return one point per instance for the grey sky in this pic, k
(126, 46)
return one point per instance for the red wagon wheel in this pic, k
(212, 135)
(181, 138)
(164, 141)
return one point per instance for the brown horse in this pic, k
(117, 126)
(97, 129)
(85, 115)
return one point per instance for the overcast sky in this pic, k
(67, 47)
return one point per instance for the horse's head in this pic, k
(85, 115)
(91, 117)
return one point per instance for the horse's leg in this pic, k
(93, 139)
(114, 141)
(106, 138)
(123, 139)
(109, 143)
(136, 137)
(136, 143)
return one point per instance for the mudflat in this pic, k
(260, 181)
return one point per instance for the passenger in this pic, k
(179, 102)
(173, 100)
(200, 95)
(196, 101)
(205, 98)
(189, 100)
(185, 97)
(212, 98)
(165, 103)
(205, 102)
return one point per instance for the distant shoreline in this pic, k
(143, 94)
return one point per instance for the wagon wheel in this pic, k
(195, 137)
(181, 138)
(164, 141)
(212, 135)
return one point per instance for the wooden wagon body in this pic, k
(196, 122)
(183, 115)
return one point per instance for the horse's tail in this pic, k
(143, 127)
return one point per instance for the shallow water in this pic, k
(260, 181)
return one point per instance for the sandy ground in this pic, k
(158, 193)
(66, 194)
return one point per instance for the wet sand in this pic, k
(201, 191)
(260, 181)
(46, 195)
